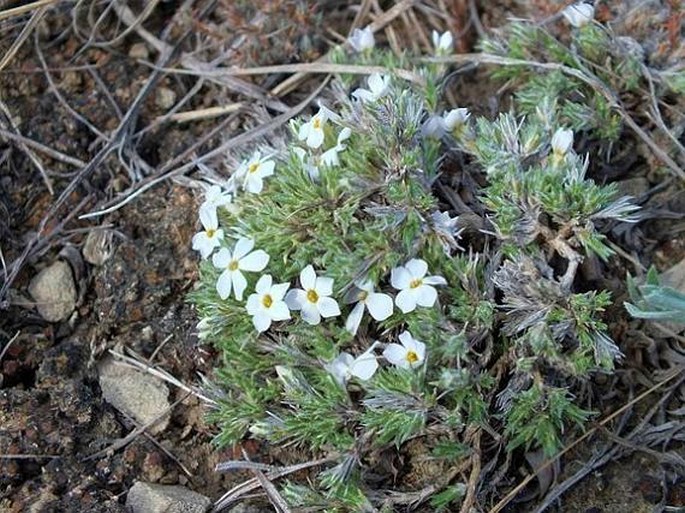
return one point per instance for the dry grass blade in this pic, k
(275, 498)
(234, 142)
(305, 69)
(208, 113)
(234, 494)
(23, 9)
(23, 35)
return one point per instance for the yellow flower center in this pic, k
(267, 301)
(252, 168)
(233, 265)
(412, 357)
(312, 296)
(363, 295)
(415, 283)
(210, 233)
(316, 123)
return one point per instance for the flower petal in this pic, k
(397, 355)
(253, 184)
(417, 267)
(434, 280)
(242, 248)
(420, 350)
(203, 244)
(310, 314)
(315, 138)
(208, 217)
(400, 278)
(339, 367)
(239, 284)
(324, 286)
(308, 277)
(426, 295)
(407, 341)
(267, 168)
(328, 307)
(255, 261)
(364, 366)
(221, 258)
(264, 284)
(278, 291)
(295, 299)
(224, 284)
(355, 318)
(279, 311)
(261, 322)
(254, 304)
(379, 305)
(406, 301)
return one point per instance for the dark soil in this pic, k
(52, 414)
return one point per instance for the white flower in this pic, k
(562, 140)
(414, 286)
(215, 197)
(442, 42)
(378, 87)
(242, 259)
(308, 163)
(253, 172)
(409, 355)
(330, 156)
(313, 299)
(456, 118)
(204, 328)
(362, 40)
(346, 366)
(312, 130)
(379, 305)
(433, 127)
(579, 14)
(211, 238)
(266, 304)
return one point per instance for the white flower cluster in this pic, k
(314, 298)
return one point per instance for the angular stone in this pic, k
(135, 393)
(54, 292)
(154, 498)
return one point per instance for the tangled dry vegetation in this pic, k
(114, 107)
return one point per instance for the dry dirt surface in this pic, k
(63, 447)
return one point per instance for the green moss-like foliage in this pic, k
(506, 340)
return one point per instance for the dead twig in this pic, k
(23, 9)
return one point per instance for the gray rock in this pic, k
(154, 498)
(54, 292)
(135, 393)
(166, 98)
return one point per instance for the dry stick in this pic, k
(305, 68)
(165, 174)
(54, 154)
(510, 496)
(275, 498)
(32, 156)
(116, 138)
(161, 374)
(381, 21)
(587, 78)
(35, 18)
(7, 346)
(194, 115)
(123, 442)
(23, 9)
(253, 484)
